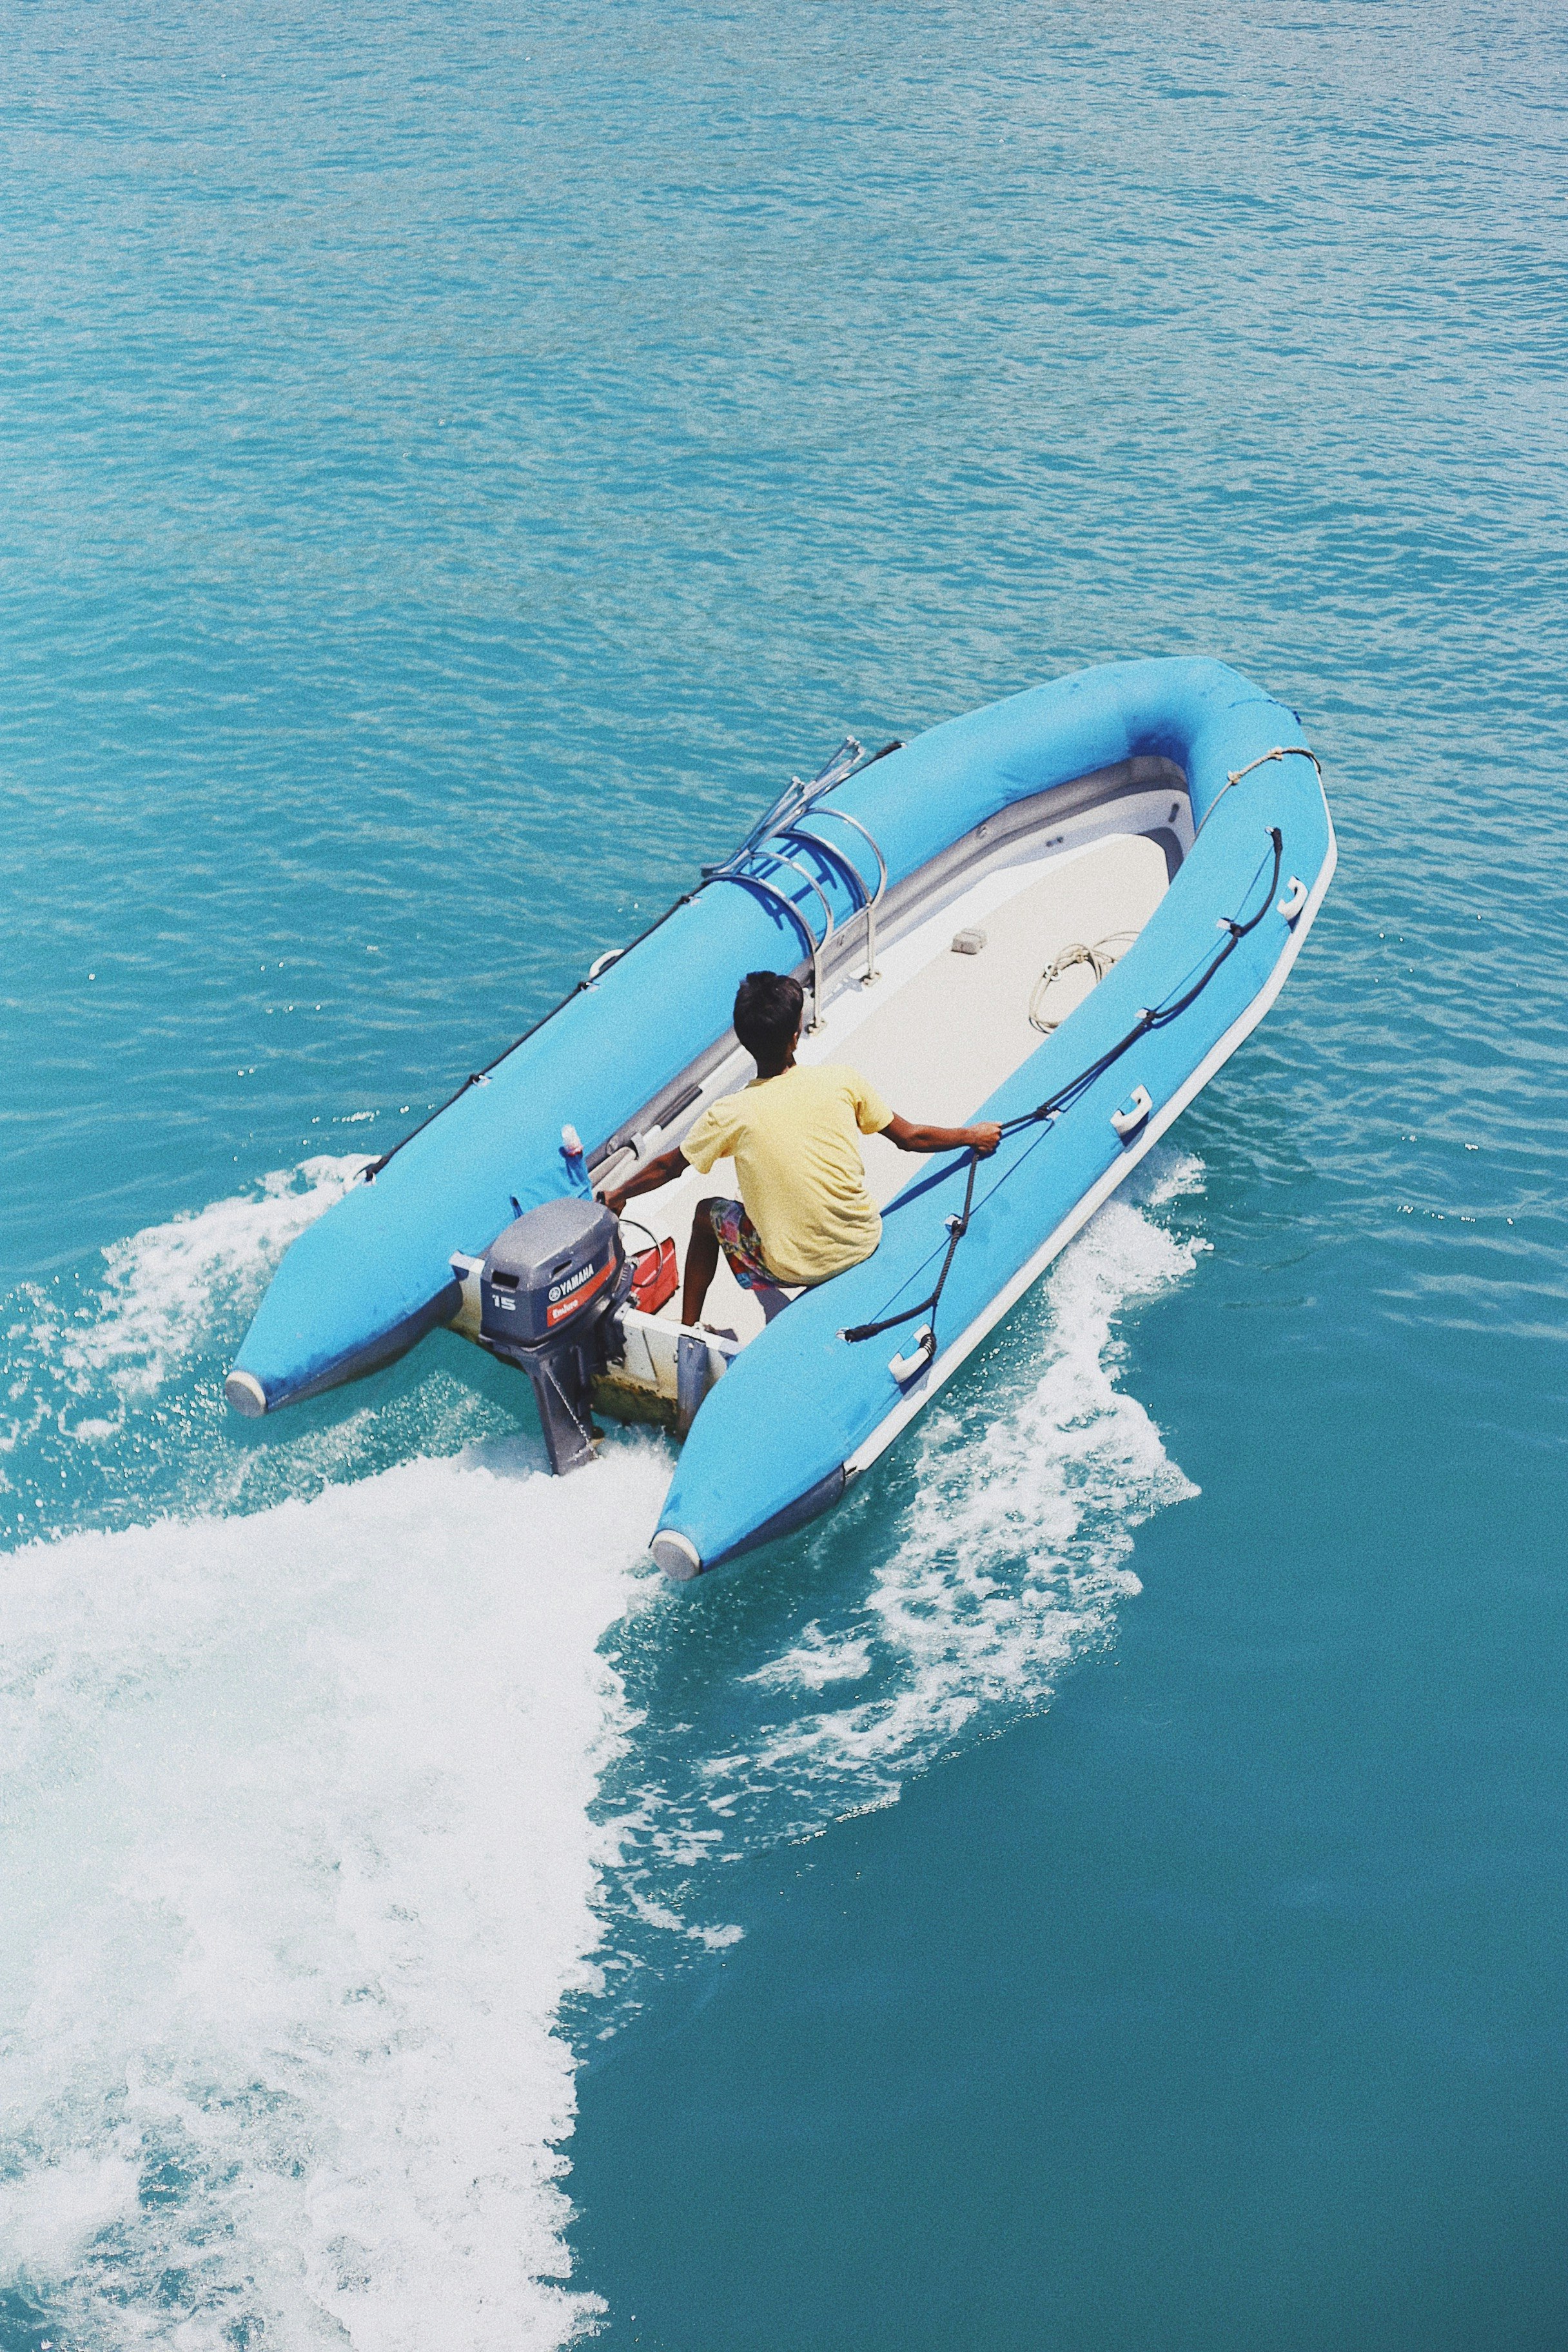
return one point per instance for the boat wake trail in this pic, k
(298, 1841)
(943, 1601)
(300, 1862)
(163, 1289)
(332, 1777)
(112, 1404)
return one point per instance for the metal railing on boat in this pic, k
(870, 899)
(737, 870)
(782, 823)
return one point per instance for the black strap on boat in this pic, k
(956, 1229)
(1153, 1017)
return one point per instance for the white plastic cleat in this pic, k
(904, 1368)
(1133, 1113)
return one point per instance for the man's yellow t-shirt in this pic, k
(794, 1141)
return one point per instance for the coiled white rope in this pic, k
(1099, 959)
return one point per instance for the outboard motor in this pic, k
(549, 1293)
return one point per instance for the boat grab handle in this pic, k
(1133, 1113)
(1290, 907)
(904, 1368)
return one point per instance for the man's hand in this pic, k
(662, 1170)
(983, 1139)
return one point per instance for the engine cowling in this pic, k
(549, 1291)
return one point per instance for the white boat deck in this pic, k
(938, 1032)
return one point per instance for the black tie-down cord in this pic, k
(1153, 1017)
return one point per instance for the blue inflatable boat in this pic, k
(1060, 913)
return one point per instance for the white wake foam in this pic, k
(163, 1287)
(1009, 1555)
(299, 1864)
(300, 1842)
(80, 1353)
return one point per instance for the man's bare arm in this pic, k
(909, 1136)
(662, 1170)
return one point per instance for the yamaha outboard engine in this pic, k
(548, 1298)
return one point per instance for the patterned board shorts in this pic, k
(742, 1244)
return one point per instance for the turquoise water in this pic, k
(1103, 1889)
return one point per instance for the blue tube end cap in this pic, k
(676, 1555)
(245, 1394)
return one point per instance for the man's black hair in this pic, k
(768, 1008)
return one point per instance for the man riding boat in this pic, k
(804, 1214)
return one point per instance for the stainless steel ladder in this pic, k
(782, 823)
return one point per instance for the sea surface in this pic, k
(1102, 1890)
